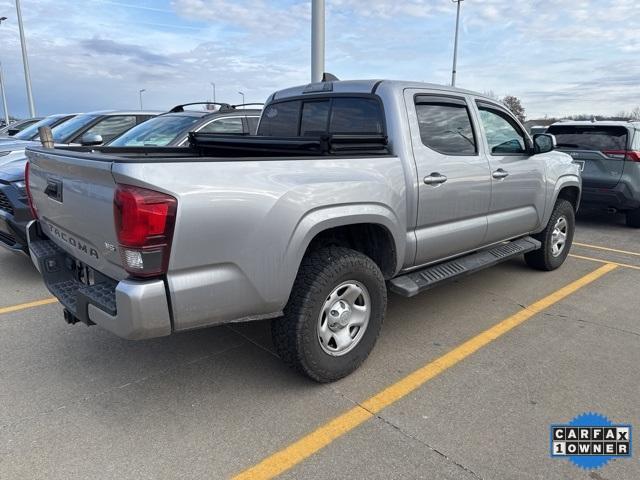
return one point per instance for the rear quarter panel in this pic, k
(243, 226)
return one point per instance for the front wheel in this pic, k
(556, 238)
(334, 314)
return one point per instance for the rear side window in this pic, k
(446, 127)
(281, 119)
(230, 126)
(587, 137)
(314, 117)
(636, 141)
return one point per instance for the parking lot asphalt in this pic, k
(463, 384)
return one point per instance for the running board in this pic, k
(413, 283)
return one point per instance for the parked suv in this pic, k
(348, 188)
(89, 129)
(608, 153)
(172, 128)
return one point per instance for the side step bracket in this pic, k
(412, 283)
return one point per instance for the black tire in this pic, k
(296, 336)
(544, 259)
(633, 218)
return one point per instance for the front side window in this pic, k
(65, 132)
(446, 128)
(503, 135)
(112, 127)
(229, 126)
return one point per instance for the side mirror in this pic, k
(543, 143)
(91, 139)
(12, 131)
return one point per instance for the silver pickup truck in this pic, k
(348, 188)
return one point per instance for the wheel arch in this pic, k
(568, 187)
(371, 229)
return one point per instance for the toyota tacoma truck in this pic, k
(349, 189)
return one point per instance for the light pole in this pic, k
(140, 92)
(25, 61)
(455, 45)
(213, 88)
(242, 93)
(4, 98)
(2, 88)
(317, 40)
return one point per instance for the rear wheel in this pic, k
(334, 314)
(556, 238)
(633, 218)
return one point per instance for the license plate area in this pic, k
(81, 272)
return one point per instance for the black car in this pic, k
(172, 128)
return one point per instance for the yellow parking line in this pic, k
(24, 306)
(308, 445)
(625, 265)
(607, 249)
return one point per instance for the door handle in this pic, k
(435, 179)
(500, 174)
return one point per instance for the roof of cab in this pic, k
(368, 86)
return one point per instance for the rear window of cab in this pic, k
(320, 116)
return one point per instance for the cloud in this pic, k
(100, 46)
(559, 57)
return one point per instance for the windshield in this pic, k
(31, 132)
(63, 133)
(157, 132)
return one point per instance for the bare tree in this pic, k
(514, 104)
(635, 114)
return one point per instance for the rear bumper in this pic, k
(14, 217)
(130, 309)
(624, 196)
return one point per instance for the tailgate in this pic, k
(598, 149)
(73, 195)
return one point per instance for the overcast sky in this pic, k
(560, 57)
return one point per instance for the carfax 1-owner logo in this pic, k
(591, 440)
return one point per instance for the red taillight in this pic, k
(633, 156)
(144, 225)
(27, 171)
(623, 155)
